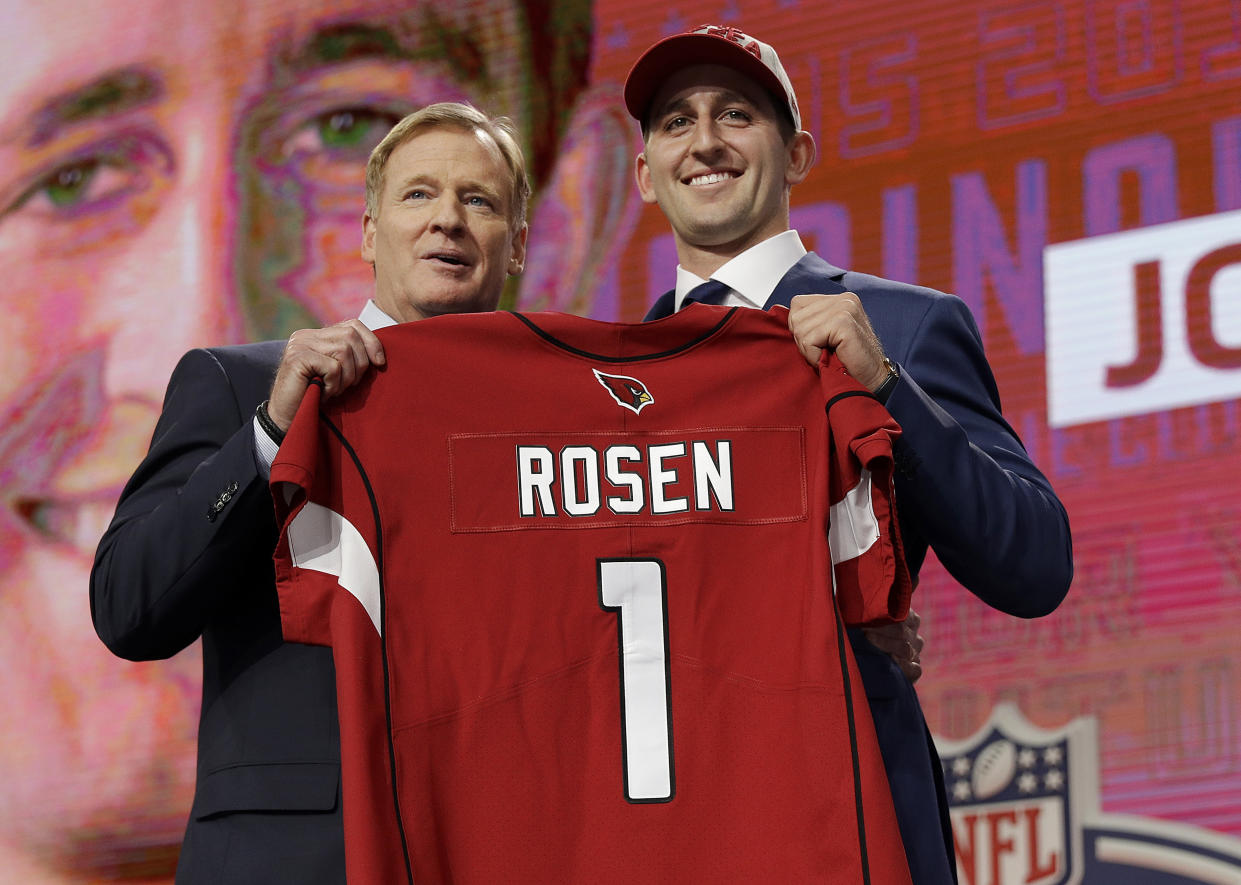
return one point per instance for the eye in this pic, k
(733, 115)
(354, 130)
(67, 184)
(676, 123)
(353, 127)
(416, 193)
(480, 202)
(93, 180)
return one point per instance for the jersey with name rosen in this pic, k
(578, 579)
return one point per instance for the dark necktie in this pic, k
(710, 292)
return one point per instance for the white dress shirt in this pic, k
(753, 275)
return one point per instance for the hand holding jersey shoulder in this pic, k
(838, 322)
(339, 354)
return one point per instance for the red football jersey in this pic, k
(577, 581)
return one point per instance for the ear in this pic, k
(517, 254)
(802, 154)
(585, 213)
(368, 238)
(642, 175)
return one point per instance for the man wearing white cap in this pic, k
(723, 146)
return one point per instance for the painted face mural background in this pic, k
(177, 175)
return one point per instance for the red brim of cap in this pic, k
(672, 54)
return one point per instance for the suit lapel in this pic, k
(810, 275)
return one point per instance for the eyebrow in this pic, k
(108, 95)
(421, 35)
(682, 104)
(471, 186)
(343, 42)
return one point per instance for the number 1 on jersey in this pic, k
(636, 591)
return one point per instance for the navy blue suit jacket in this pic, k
(966, 488)
(189, 555)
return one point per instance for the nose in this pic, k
(706, 139)
(448, 214)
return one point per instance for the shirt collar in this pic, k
(374, 318)
(753, 275)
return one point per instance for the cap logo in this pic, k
(735, 35)
(654, 66)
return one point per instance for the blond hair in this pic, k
(460, 116)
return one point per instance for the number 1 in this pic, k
(635, 589)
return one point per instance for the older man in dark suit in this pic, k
(189, 552)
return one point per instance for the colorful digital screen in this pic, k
(178, 174)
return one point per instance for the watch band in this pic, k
(884, 390)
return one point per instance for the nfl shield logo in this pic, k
(1013, 789)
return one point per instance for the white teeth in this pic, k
(709, 178)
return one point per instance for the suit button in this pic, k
(224, 497)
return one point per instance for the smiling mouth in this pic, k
(710, 178)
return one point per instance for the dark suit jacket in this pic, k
(966, 488)
(189, 555)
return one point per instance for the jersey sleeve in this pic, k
(872, 580)
(328, 581)
(319, 552)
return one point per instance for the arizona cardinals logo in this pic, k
(629, 392)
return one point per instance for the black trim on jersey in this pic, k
(845, 395)
(848, 686)
(853, 749)
(383, 631)
(620, 660)
(552, 339)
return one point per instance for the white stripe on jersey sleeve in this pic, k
(854, 528)
(324, 541)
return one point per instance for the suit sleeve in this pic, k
(191, 525)
(965, 482)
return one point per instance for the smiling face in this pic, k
(717, 163)
(444, 236)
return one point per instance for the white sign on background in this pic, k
(1143, 320)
